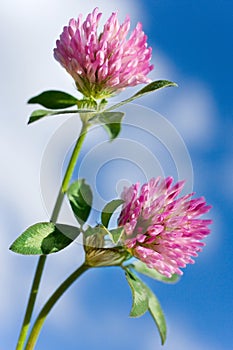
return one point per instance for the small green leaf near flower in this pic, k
(140, 299)
(54, 99)
(44, 238)
(41, 113)
(111, 122)
(157, 314)
(109, 210)
(141, 267)
(155, 85)
(143, 300)
(80, 197)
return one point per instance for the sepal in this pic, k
(98, 255)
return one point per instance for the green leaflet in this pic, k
(54, 99)
(41, 113)
(109, 210)
(80, 197)
(141, 267)
(44, 238)
(111, 122)
(143, 300)
(155, 85)
(140, 298)
(157, 314)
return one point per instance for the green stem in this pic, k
(74, 157)
(50, 303)
(31, 302)
(54, 216)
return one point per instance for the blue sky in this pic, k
(191, 44)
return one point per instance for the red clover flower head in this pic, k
(103, 64)
(160, 229)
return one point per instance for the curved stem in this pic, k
(54, 216)
(31, 302)
(50, 303)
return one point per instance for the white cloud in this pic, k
(194, 114)
(182, 336)
(190, 107)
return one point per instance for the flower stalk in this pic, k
(54, 216)
(50, 303)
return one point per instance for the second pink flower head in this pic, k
(161, 230)
(103, 64)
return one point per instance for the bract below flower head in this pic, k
(103, 64)
(97, 254)
(160, 229)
